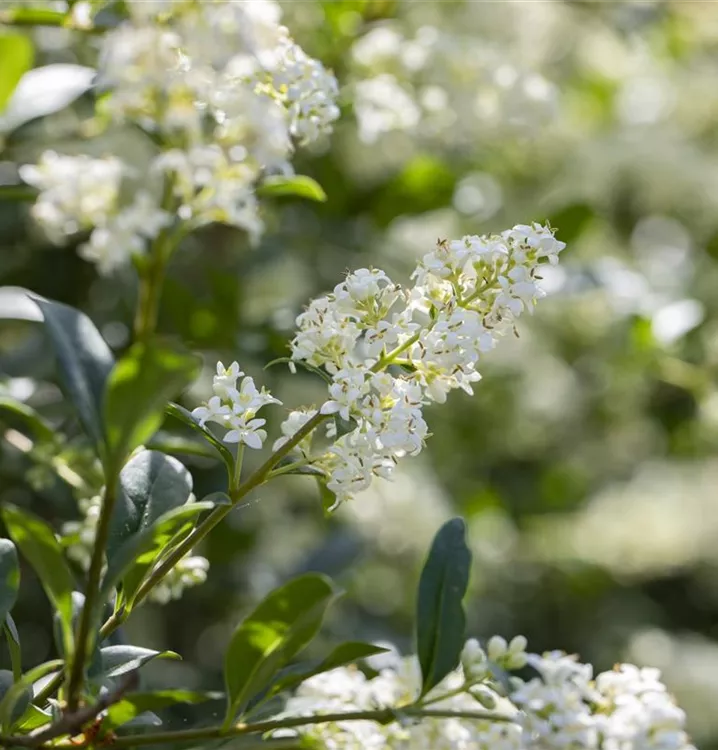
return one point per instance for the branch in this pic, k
(83, 635)
(72, 723)
(380, 716)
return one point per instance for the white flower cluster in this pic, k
(226, 93)
(467, 294)
(625, 709)
(226, 84)
(438, 83)
(79, 540)
(236, 408)
(190, 571)
(79, 193)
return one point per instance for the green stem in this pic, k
(380, 716)
(237, 472)
(388, 359)
(92, 592)
(215, 516)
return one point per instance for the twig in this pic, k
(72, 723)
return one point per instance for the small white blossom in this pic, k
(236, 408)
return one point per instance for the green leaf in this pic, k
(134, 704)
(272, 635)
(118, 660)
(150, 485)
(84, 361)
(39, 545)
(17, 692)
(16, 56)
(346, 653)
(13, 646)
(148, 542)
(45, 90)
(166, 442)
(440, 618)
(184, 416)
(9, 578)
(7, 680)
(22, 414)
(138, 390)
(33, 718)
(296, 186)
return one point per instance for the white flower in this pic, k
(246, 431)
(236, 408)
(467, 295)
(76, 192)
(188, 572)
(214, 411)
(291, 425)
(225, 381)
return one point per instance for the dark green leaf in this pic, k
(346, 653)
(17, 692)
(9, 578)
(134, 704)
(84, 361)
(165, 442)
(148, 542)
(118, 660)
(138, 390)
(440, 618)
(179, 412)
(297, 186)
(150, 485)
(42, 550)
(271, 636)
(13, 646)
(16, 55)
(7, 680)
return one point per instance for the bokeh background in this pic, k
(586, 463)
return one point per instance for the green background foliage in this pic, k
(585, 465)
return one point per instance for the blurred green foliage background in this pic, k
(586, 463)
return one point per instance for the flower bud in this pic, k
(496, 648)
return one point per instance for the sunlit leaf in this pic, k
(346, 653)
(147, 543)
(138, 389)
(19, 414)
(272, 635)
(38, 544)
(134, 704)
(118, 660)
(296, 186)
(16, 55)
(7, 680)
(45, 90)
(16, 693)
